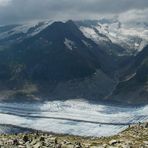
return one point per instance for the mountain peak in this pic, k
(70, 22)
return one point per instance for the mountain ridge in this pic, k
(58, 54)
(60, 61)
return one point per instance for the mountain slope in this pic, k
(59, 53)
(61, 49)
(62, 60)
(126, 38)
(10, 34)
(135, 89)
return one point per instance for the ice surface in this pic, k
(73, 117)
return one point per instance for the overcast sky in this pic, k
(17, 11)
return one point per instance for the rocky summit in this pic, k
(135, 136)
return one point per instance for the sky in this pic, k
(17, 11)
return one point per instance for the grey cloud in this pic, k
(24, 10)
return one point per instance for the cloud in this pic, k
(4, 2)
(12, 11)
(134, 15)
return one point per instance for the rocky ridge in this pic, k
(135, 136)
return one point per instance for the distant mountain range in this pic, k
(72, 59)
(131, 37)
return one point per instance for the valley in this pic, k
(80, 78)
(61, 60)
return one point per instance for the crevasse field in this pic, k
(76, 117)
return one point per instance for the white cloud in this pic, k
(134, 16)
(4, 2)
(13, 11)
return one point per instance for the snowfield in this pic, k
(133, 37)
(25, 28)
(76, 117)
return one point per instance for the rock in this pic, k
(58, 146)
(25, 138)
(146, 125)
(42, 139)
(15, 142)
(56, 141)
(33, 142)
(67, 146)
(51, 145)
(10, 142)
(37, 145)
(78, 145)
(113, 142)
(27, 144)
(21, 142)
(66, 142)
(127, 139)
(1, 143)
(21, 146)
(99, 146)
(104, 145)
(145, 142)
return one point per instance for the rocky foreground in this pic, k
(135, 136)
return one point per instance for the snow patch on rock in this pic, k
(69, 44)
(92, 34)
(86, 43)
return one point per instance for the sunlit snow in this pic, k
(132, 37)
(24, 28)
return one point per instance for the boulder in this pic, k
(15, 142)
(146, 125)
(42, 139)
(37, 145)
(113, 142)
(25, 138)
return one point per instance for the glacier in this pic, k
(75, 117)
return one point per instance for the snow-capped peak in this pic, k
(29, 29)
(131, 37)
